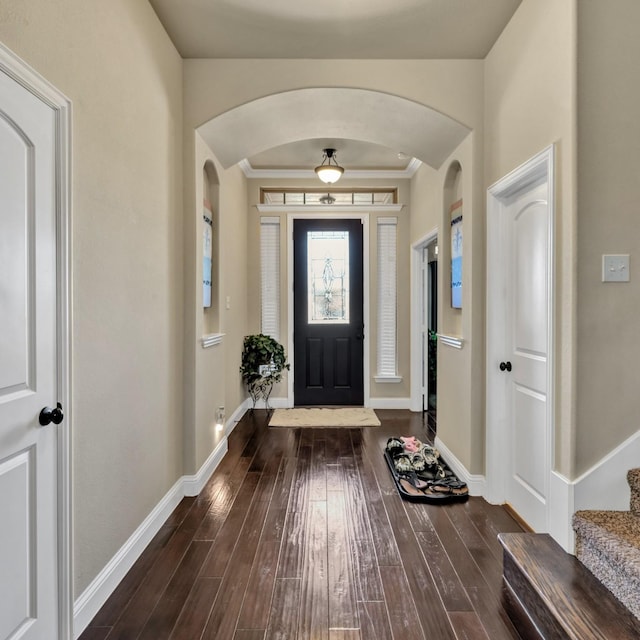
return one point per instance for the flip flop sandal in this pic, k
(450, 485)
(404, 468)
(458, 487)
(439, 488)
(410, 490)
(413, 479)
(437, 491)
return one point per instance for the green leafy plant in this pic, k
(263, 362)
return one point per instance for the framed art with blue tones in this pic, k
(456, 254)
(207, 253)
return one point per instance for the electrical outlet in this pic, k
(615, 268)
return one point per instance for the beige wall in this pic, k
(529, 104)
(425, 190)
(608, 402)
(452, 87)
(144, 389)
(236, 279)
(212, 375)
(124, 77)
(460, 400)
(208, 391)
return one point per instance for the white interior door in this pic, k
(520, 290)
(527, 223)
(28, 366)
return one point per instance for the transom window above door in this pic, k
(308, 197)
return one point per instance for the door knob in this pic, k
(505, 366)
(48, 415)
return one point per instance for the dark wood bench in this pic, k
(550, 595)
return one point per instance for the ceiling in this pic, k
(340, 29)
(333, 29)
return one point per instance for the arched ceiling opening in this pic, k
(373, 117)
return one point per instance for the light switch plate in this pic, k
(615, 268)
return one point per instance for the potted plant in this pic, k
(263, 361)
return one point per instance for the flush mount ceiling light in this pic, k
(329, 170)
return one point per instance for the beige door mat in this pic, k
(313, 417)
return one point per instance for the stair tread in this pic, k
(618, 532)
(581, 605)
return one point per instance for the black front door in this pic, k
(328, 320)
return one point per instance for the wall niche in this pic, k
(452, 253)
(210, 234)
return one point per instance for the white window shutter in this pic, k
(270, 276)
(387, 297)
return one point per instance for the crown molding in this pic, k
(349, 174)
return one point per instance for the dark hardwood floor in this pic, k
(301, 534)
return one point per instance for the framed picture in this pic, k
(207, 253)
(456, 254)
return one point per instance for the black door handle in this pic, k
(505, 366)
(48, 415)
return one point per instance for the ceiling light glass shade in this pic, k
(329, 174)
(329, 171)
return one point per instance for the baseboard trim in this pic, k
(389, 403)
(103, 585)
(475, 482)
(274, 403)
(193, 485)
(516, 516)
(236, 416)
(560, 508)
(604, 486)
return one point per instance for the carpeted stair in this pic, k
(608, 544)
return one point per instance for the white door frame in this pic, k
(540, 167)
(417, 302)
(19, 71)
(329, 213)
